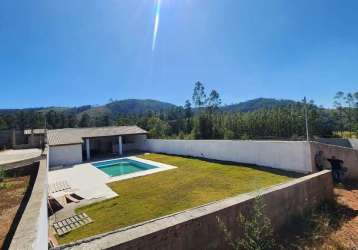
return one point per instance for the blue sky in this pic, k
(66, 53)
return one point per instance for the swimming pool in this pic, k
(122, 166)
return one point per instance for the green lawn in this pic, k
(193, 183)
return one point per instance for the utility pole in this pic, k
(306, 118)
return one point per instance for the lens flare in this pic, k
(156, 23)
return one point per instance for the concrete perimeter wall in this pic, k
(348, 155)
(285, 155)
(197, 228)
(65, 155)
(32, 231)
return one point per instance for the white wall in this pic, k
(286, 155)
(65, 155)
(136, 145)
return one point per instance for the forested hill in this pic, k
(258, 103)
(124, 107)
(136, 106)
(143, 106)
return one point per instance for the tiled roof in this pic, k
(75, 135)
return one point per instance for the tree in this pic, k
(339, 109)
(158, 128)
(349, 99)
(106, 121)
(355, 96)
(51, 121)
(214, 100)
(10, 120)
(203, 127)
(187, 109)
(72, 120)
(85, 121)
(3, 124)
(124, 121)
(199, 96)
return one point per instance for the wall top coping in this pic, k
(334, 146)
(245, 141)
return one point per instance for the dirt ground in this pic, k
(11, 197)
(332, 226)
(347, 234)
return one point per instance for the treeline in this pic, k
(207, 120)
(52, 119)
(204, 118)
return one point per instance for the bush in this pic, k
(2, 178)
(256, 227)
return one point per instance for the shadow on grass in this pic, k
(240, 164)
(312, 230)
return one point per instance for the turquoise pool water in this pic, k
(122, 167)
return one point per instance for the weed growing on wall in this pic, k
(256, 227)
(2, 178)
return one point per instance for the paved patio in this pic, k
(84, 179)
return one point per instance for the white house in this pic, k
(70, 146)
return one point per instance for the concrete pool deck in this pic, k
(90, 182)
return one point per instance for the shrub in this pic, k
(256, 227)
(2, 178)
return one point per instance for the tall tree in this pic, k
(214, 100)
(349, 111)
(187, 109)
(339, 109)
(199, 96)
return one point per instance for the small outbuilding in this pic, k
(70, 146)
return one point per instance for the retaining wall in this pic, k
(198, 228)
(348, 155)
(32, 231)
(285, 155)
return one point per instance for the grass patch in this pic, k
(347, 134)
(193, 183)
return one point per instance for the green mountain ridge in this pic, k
(142, 106)
(258, 103)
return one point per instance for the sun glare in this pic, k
(156, 23)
